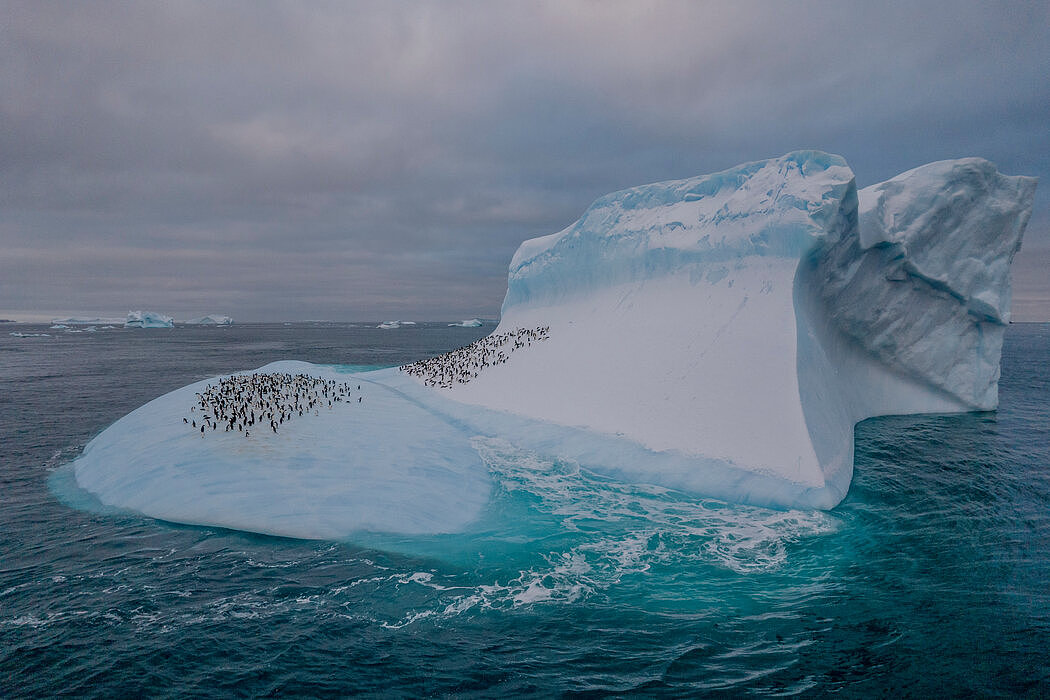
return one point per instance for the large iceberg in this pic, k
(148, 319)
(721, 335)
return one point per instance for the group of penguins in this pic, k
(464, 364)
(241, 402)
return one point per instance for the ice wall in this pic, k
(924, 286)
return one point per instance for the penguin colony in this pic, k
(464, 364)
(241, 402)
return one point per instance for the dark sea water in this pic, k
(932, 578)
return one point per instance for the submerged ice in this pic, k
(720, 335)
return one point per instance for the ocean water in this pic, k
(932, 578)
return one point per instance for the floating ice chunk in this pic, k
(390, 325)
(469, 323)
(147, 319)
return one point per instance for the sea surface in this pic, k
(931, 579)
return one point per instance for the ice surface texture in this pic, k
(721, 335)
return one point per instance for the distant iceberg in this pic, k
(86, 321)
(148, 319)
(721, 335)
(469, 323)
(71, 329)
(212, 320)
(390, 325)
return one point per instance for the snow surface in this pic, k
(148, 319)
(721, 334)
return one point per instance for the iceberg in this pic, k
(390, 325)
(211, 320)
(73, 321)
(148, 319)
(469, 323)
(721, 335)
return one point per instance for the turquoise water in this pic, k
(931, 578)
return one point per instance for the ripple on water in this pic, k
(928, 580)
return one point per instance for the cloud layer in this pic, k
(367, 160)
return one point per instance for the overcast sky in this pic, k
(352, 161)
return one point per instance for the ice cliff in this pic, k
(721, 335)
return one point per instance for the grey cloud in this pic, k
(290, 160)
